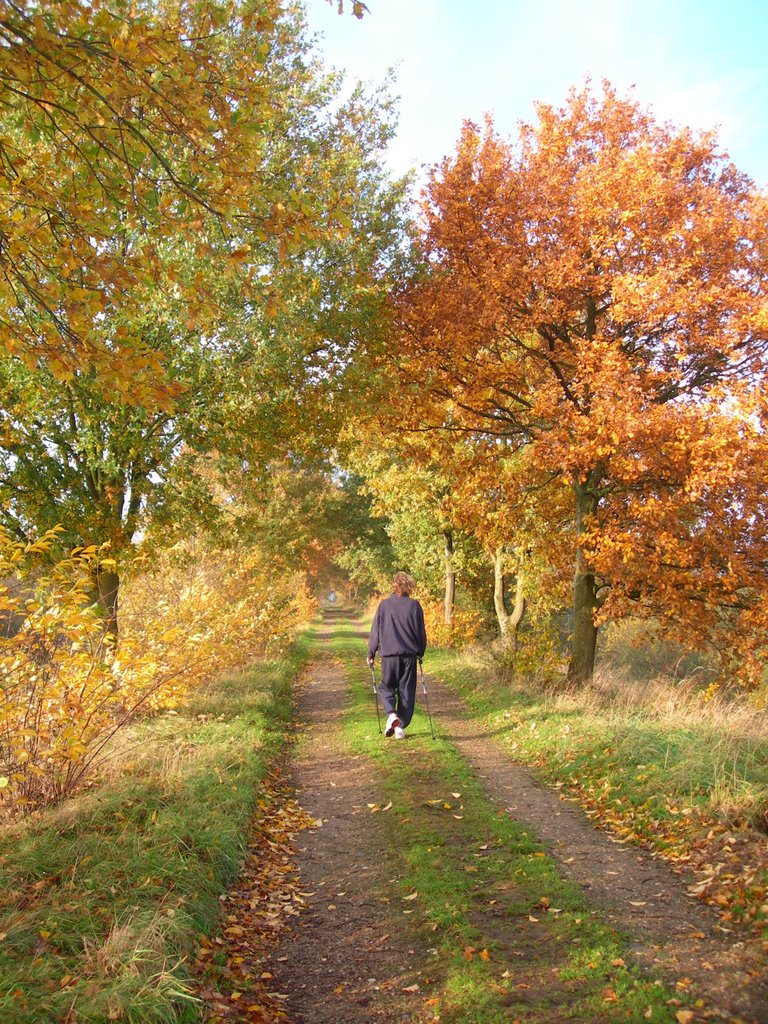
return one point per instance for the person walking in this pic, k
(399, 634)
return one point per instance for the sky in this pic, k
(700, 63)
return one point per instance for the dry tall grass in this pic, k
(711, 748)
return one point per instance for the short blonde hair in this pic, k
(402, 583)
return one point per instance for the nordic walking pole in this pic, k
(426, 698)
(376, 697)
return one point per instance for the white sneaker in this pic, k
(399, 733)
(393, 724)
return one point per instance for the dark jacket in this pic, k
(398, 628)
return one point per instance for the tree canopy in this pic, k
(217, 316)
(126, 125)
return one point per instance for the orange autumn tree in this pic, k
(594, 298)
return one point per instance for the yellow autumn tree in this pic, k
(122, 125)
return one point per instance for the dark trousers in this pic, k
(398, 686)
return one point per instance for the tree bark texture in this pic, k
(450, 578)
(508, 621)
(107, 587)
(582, 663)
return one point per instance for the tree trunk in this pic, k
(107, 588)
(450, 578)
(582, 663)
(502, 615)
(516, 616)
(508, 621)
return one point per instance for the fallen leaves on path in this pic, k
(265, 898)
(729, 860)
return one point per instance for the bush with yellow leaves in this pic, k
(198, 610)
(463, 629)
(67, 689)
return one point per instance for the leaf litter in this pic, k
(255, 912)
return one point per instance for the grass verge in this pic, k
(654, 764)
(103, 898)
(509, 938)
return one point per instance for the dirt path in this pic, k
(349, 959)
(672, 934)
(352, 957)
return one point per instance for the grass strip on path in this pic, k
(688, 779)
(510, 939)
(104, 898)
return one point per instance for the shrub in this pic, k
(66, 689)
(464, 628)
